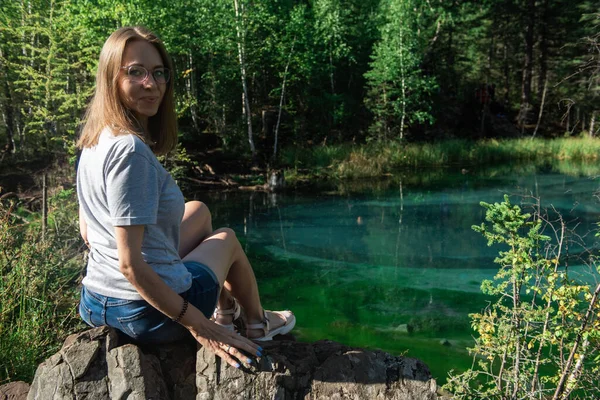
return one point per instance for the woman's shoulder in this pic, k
(123, 144)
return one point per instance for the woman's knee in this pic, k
(226, 233)
(197, 209)
(198, 216)
(228, 236)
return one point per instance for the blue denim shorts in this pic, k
(142, 322)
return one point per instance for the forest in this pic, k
(259, 76)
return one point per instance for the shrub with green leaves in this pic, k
(38, 286)
(541, 338)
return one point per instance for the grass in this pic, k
(378, 159)
(38, 284)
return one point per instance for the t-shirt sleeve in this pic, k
(132, 190)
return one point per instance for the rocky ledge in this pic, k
(97, 364)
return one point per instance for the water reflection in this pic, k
(392, 264)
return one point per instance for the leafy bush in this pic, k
(541, 337)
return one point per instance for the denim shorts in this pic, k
(142, 322)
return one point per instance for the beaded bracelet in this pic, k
(183, 310)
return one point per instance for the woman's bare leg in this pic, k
(196, 225)
(222, 253)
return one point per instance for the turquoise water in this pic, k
(393, 265)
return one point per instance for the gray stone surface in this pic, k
(94, 365)
(320, 370)
(14, 391)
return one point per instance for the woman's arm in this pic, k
(83, 227)
(156, 292)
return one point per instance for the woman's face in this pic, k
(142, 97)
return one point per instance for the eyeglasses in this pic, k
(139, 74)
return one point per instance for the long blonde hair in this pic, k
(106, 108)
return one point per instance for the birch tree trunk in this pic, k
(287, 65)
(192, 92)
(241, 56)
(537, 125)
(543, 49)
(402, 82)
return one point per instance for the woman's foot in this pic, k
(273, 323)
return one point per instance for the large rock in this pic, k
(94, 365)
(14, 391)
(321, 370)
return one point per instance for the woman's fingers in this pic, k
(236, 351)
(236, 354)
(226, 356)
(237, 341)
(242, 343)
(228, 345)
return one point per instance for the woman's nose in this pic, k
(149, 82)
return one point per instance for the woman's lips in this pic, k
(150, 99)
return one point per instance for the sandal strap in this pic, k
(264, 325)
(228, 311)
(235, 310)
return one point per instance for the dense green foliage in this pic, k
(38, 284)
(318, 71)
(541, 337)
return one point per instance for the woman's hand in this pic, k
(154, 290)
(224, 343)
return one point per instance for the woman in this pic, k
(156, 268)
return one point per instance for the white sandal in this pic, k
(235, 311)
(268, 334)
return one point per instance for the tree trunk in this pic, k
(490, 60)
(7, 109)
(281, 99)
(50, 124)
(543, 50)
(537, 125)
(527, 67)
(592, 123)
(25, 11)
(506, 69)
(241, 55)
(192, 92)
(7, 117)
(403, 82)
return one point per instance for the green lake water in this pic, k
(392, 264)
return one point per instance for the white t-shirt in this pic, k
(119, 183)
